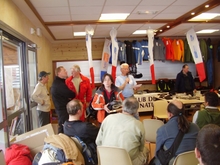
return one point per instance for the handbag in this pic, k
(165, 156)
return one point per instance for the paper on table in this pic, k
(137, 86)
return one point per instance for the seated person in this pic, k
(209, 115)
(208, 145)
(107, 93)
(124, 131)
(87, 132)
(168, 132)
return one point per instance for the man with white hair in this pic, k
(80, 85)
(126, 81)
(124, 131)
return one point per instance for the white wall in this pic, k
(165, 69)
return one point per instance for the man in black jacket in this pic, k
(184, 81)
(61, 95)
(86, 131)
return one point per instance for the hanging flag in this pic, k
(196, 53)
(89, 32)
(150, 34)
(113, 34)
(105, 58)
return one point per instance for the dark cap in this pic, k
(43, 74)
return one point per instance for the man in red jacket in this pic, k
(80, 85)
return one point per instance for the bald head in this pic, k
(177, 103)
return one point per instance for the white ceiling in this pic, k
(60, 18)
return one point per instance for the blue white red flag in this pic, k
(105, 58)
(196, 53)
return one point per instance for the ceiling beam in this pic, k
(184, 18)
(106, 22)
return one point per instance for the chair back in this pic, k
(151, 126)
(113, 155)
(184, 158)
(2, 158)
(160, 109)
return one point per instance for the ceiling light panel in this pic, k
(205, 31)
(114, 16)
(205, 16)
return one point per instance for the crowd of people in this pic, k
(72, 95)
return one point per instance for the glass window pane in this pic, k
(12, 77)
(32, 72)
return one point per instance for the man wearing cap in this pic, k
(80, 84)
(42, 98)
(61, 95)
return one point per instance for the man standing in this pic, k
(211, 113)
(42, 98)
(124, 131)
(184, 81)
(80, 85)
(86, 131)
(125, 81)
(61, 95)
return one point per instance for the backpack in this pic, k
(89, 152)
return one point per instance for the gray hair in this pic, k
(130, 105)
(76, 68)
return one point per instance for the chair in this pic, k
(2, 158)
(184, 158)
(160, 109)
(113, 155)
(151, 126)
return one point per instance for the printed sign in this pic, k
(145, 101)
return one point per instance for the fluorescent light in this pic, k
(208, 31)
(79, 33)
(140, 32)
(205, 16)
(115, 16)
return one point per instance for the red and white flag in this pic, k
(196, 53)
(150, 34)
(113, 34)
(89, 32)
(105, 58)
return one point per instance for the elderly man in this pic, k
(80, 85)
(211, 113)
(61, 95)
(42, 98)
(124, 131)
(125, 81)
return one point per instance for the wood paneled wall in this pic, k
(76, 51)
